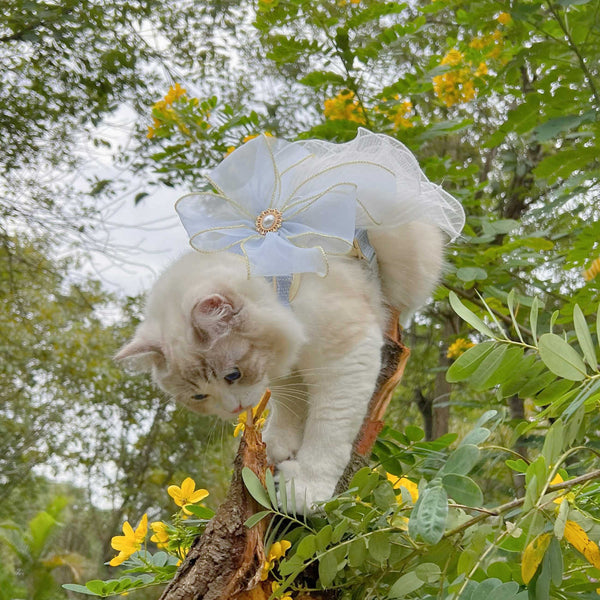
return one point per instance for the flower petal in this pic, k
(119, 559)
(142, 529)
(197, 496)
(175, 492)
(187, 488)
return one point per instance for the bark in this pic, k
(225, 562)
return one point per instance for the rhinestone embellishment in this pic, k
(268, 220)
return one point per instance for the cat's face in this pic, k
(215, 361)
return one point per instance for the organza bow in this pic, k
(286, 206)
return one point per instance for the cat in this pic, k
(214, 339)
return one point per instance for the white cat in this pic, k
(214, 339)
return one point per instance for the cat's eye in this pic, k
(200, 397)
(233, 376)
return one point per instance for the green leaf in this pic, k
(73, 587)
(553, 444)
(414, 434)
(496, 367)
(202, 512)
(256, 518)
(476, 436)
(466, 364)
(510, 301)
(408, 583)
(469, 316)
(519, 465)
(560, 358)
(270, 485)
(306, 547)
(379, 546)
(561, 520)
(462, 489)
(255, 487)
(433, 513)
(584, 338)
(327, 569)
(357, 553)
(471, 273)
(461, 461)
(555, 559)
(96, 586)
(323, 537)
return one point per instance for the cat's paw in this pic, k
(310, 487)
(282, 446)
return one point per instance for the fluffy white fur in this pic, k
(205, 321)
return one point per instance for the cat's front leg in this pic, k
(285, 427)
(339, 398)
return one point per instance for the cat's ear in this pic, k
(212, 318)
(141, 355)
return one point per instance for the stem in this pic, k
(575, 49)
(519, 501)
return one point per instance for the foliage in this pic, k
(499, 102)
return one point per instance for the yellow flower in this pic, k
(504, 18)
(129, 543)
(275, 586)
(481, 70)
(254, 135)
(186, 494)
(243, 418)
(410, 486)
(345, 107)
(593, 271)
(175, 92)
(479, 43)
(460, 346)
(453, 57)
(150, 133)
(161, 536)
(354, 1)
(276, 552)
(230, 149)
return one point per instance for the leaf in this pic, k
(408, 583)
(73, 587)
(469, 316)
(533, 317)
(357, 553)
(510, 301)
(255, 487)
(519, 465)
(433, 512)
(379, 546)
(584, 338)
(476, 436)
(202, 512)
(555, 560)
(553, 444)
(466, 364)
(561, 520)
(461, 461)
(533, 555)
(462, 489)
(324, 537)
(496, 367)
(471, 273)
(578, 538)
(428, 572)
(327, 569)
(256, 518)
(270, 485)
(560, 358)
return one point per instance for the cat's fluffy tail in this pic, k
(410, 259)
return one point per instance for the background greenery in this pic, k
(499, 101)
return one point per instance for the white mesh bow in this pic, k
(286, 206)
